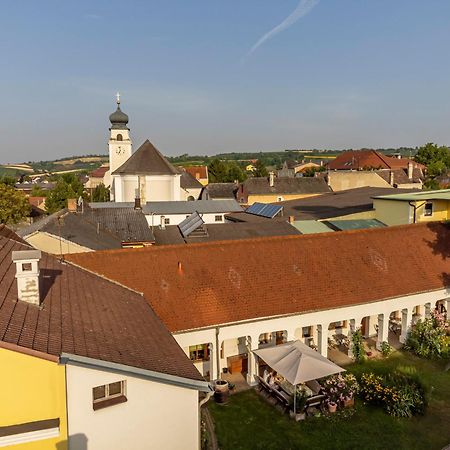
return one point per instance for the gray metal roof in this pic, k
(201, 206)
(191, 223)
(101, 205)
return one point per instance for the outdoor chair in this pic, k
(314, 403)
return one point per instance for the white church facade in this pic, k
(145, 174)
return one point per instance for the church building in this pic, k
(145, 174)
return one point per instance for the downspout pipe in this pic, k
(415, 207)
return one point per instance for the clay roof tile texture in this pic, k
(86, 315)
(202, 285)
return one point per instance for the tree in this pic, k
(37, 191)
(234, 172)
(100, 194)
(14, 206)
(217, 171)
(67, 186)
(260, 169)
(437, 159)
(7, 179)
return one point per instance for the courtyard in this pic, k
(247, 421)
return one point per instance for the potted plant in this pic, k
(332, 406)
(300, 403)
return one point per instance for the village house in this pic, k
(200, 173)
(86, 356)
(273, 189)
(293, 287)
(413, 207)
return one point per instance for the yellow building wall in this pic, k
(50, 244)
(342, 180)
(364, 215)
(441, 209)
(32, 389)
(273, 198)
(392, 212)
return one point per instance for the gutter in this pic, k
(173, 380)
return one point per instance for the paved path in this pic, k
(213, 444)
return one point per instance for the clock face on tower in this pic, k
(119, 150)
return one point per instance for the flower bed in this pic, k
(340, 388)
(399, 394)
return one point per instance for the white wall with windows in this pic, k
(175, 219)
(114, 410)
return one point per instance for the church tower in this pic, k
(120, 146)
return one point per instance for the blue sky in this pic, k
(350, 73)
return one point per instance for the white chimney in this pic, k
(271, 179)
(391, 178)
(410, 170)
(27, 274)
(163, 223)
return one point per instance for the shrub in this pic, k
(386, 349)
(428, 338)
(358, 346)
(401, 395)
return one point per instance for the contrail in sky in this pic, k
(303, 8)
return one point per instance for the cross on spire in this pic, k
(118, 98)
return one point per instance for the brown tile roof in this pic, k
(146, 160)
(10, 234)
(230, 281)
(86, 315)
(401, 176)
(360, 159)
(197, 171)
(99, 173)
(219, 191)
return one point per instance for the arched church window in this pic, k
(119, 137)
(190, 198)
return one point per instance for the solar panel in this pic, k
(190, 224)
(264, 210)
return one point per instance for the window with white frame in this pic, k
(109, 394)
(199, 352)
(167, 221)
(218, 218)
(428, 209)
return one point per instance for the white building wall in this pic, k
(293, 324)
(175, 219)
(156, 415)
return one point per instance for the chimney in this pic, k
(163, 223)
(410, 170)
(271, 179)
(137, 203)
(27, 274)
(72, 205)
(391, 178)
(291, 219)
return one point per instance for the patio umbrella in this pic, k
(297, 362)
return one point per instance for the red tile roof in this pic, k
(197, 171)
(99, 173)
(86, 315)
(230, 281)
(361, 159)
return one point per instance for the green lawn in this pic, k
(249, 422)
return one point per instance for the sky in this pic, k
(209, 76)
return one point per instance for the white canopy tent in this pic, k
(297, 362)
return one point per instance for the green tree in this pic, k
(8, 180)
(67, 186)
(437, 159)
(234, 172)
(260, 169)
(14, 206)
(217, 171)
(100, 194)
(37, 191)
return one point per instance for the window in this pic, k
(218, 218)
(428, 209)
(167, 221)
(190, 198)
(119, 137)
(108, 395)
(199, 352)
(26, 267)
